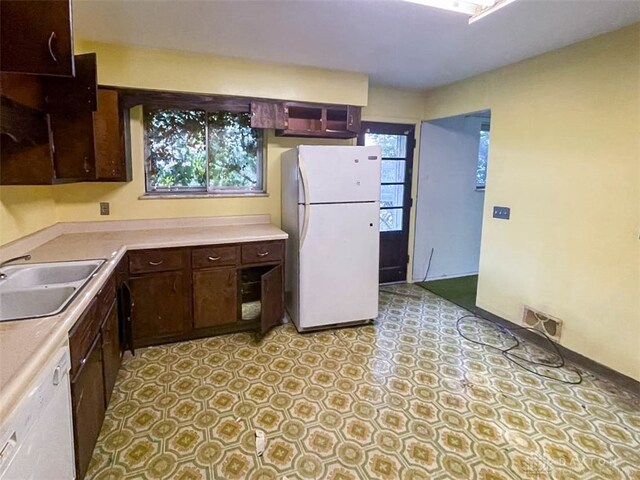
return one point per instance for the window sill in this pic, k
(178, 196)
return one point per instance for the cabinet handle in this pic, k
(52, 37)
(155, 264)
(263, 254)
(214, 259)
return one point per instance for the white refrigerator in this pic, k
(331, 211)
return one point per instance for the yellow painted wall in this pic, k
(24, 210)
(138, 67)
(180, 71)
(565, 156)
(79, 202)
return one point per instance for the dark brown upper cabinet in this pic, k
(89, 145)
(36, 37)
(320, 121)
(58, 147)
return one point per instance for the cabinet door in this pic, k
(215, 297)
(159, 307)
(268, 115)
(125, 308)
(272, 299)
(111, 163)
(110, 352)
(87, 394)
(77, 94)
(36, 37)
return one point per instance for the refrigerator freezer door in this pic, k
(332, 174)
(338, 270)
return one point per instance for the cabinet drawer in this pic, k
(213, 256)
(106, 296)
(262, 252)
(82, 336)
(162, 260)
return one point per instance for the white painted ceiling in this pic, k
(397, 43)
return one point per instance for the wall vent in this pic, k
(542, 322)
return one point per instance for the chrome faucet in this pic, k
(11, 260)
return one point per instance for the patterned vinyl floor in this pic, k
(404, 398)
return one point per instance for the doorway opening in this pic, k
(397, 142)
(454, 155)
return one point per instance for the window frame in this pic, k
(205, 191)
(485, 127)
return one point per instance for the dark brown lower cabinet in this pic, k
(190, 292)
(159, 306)
(215, 297)
(94, 346)
(110, 351)
(87, 393)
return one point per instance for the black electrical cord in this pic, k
(517, 359)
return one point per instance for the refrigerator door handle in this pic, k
(305, 188)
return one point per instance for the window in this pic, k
(193, 151)
(483, 156)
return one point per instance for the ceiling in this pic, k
(397, 43)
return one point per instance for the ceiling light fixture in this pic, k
(476, 9)
(497, 5)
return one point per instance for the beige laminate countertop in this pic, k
(26, 345)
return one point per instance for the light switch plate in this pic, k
(501, 212)
(104, 208)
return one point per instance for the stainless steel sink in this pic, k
(42, 289)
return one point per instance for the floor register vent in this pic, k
(541, 321)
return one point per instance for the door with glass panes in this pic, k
(397, 142)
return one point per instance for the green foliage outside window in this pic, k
(192, 150)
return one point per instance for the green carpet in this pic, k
(461, 290)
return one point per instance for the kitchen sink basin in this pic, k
(42, 289)
(33, 303)
(36, 275)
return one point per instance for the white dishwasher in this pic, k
(37, 438)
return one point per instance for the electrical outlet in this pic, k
(104, 208)
(501, 212)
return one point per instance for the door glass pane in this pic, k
(391, 195)
(393, 146)
(392, 171)
(391, 220)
